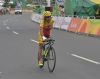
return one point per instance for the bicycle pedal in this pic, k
(45, 59)
(41, 66)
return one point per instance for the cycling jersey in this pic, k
(47, 26)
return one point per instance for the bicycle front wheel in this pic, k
(51, 59)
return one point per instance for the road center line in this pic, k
(34, 41)
(15, 32)
(92, 61)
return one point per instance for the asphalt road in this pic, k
(78, 56)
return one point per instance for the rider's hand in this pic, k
(42, 41)
(44, 38)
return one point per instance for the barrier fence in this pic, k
(74, 24)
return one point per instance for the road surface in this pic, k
(78, 56)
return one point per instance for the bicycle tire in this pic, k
(51, 52)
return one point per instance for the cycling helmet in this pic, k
(46, 13)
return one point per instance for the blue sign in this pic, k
(59, 0)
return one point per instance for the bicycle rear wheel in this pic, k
(51, 59)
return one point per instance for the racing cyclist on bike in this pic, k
(46, 26)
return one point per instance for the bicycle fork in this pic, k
(45, 53)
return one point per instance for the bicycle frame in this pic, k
(47, 53)
(46, 47)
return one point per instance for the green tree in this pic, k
(30, 1)
(6, 4)
(7, 1)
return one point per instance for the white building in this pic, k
(1, 2)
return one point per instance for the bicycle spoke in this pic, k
(51, 60)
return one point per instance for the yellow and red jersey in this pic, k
(47, 26)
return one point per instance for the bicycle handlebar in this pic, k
(49, 41)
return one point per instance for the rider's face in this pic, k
(47, 17)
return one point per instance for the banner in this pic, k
(98, 32)
(96, 1)
(95, 27)
(84, 26)
(58, 21)
(65, 23)
(88, 26)
(36, 17)
(74, 24)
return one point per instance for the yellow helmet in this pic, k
(47, 13)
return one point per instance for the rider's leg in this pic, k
(40, 61)
(40, 50)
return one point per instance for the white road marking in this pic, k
(92, 61)
(34, 41)
(15, 32)
(7, 27)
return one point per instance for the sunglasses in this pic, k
(47, 16)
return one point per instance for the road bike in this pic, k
(48, 54)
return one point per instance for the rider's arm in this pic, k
(52, 27)
(41, 28)
(51, 31)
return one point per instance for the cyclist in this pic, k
(46, 26)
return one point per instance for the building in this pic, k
(1, 2)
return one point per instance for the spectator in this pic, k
(61, 7)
